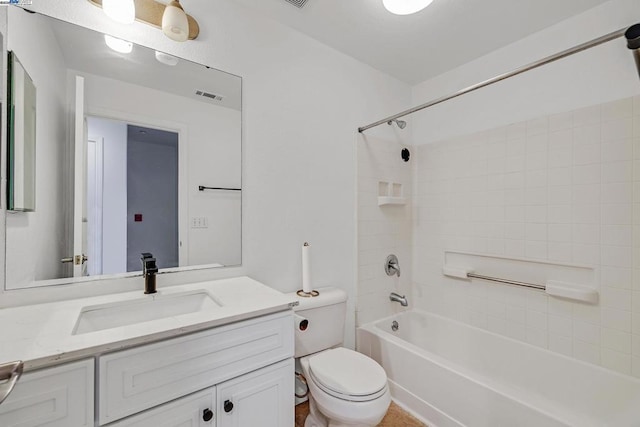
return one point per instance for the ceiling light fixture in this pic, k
(174, 22)
(171, 17)
(122, 11)
(166, 59)
(119, 45)
(405, 7)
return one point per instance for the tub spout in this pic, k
(397, 298)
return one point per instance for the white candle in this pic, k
(306, 268)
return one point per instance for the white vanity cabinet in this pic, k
(260, 398)
(250, 362)
(61, 396)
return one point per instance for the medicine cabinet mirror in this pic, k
(21, 135)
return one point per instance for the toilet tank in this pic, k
(324, 326)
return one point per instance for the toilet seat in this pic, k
(348, 375)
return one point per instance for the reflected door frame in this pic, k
(183, 184)
(92, 229)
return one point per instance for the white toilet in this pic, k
(346, 388)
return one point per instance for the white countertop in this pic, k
(41, 335)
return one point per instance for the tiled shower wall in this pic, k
(563, 188)
(382, 230)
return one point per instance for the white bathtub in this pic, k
(453, 374)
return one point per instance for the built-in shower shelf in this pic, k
(390, 193)
(387, 200)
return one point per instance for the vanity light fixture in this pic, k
(174, 22)
(405, 7)
(170, 18)
(123, 11)
(119, 45)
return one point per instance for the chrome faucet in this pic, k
(397, 298)
(149, 270)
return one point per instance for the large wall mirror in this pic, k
(136, 151)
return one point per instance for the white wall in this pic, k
(600, 74)
(24, 230)
(303, 102)
(114, 192)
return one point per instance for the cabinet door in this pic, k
(195, 410)
(55, 397)
(262, 398)
(140, 378)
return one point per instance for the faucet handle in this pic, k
(148, 263)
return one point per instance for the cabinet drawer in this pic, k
(186, 412)
(140, 378)
(57, 397)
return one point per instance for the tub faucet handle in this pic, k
(391, 266)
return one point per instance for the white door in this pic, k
(79, 181)
(262, 398)
(93, 224)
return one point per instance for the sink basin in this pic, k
(153, 307)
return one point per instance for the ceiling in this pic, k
(85, 51)
(417, 47)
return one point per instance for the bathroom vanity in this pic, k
(228, 364)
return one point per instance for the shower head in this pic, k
(401, 123)
(633, 42)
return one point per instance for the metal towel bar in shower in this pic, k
(202, 188)
(507, 281)
(555, 288)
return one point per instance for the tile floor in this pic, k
(396, 417)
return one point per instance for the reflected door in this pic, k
(79, 186)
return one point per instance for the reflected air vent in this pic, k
(209, 95)
(297, 3)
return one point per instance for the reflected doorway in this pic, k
(131, 196)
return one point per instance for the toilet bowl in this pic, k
(346, 388)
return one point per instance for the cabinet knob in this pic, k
(207, 414)
(228, 406)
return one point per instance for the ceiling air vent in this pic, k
(209, 95)
(297, 3)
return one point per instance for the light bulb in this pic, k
(166, 59)
(119, 45)
(405, 7)
(174, 22)
(123, 11)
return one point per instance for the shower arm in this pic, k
(549, 59)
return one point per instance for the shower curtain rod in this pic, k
(560, 55)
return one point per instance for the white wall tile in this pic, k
(561, 344)
(586, 352)
(586, 332)
(560, 325)
(616, 361)
(616, 340)
(558, 188)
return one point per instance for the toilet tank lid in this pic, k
(328, 296)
